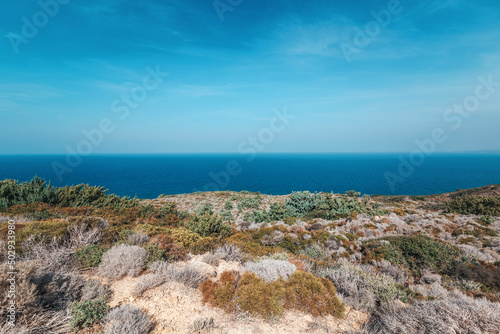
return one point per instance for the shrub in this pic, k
(84, 234)
(362, 289)
(489, 276)
(271, 270)
(90, 256)
(128, 319)
(93, 289)
(208, 225)
(228, 205)
(455, 314)
(26, 290)
(39, 191)
(414, 253)
(475, 205)
(86, 313)
(42, 231)
(226, 215)
(122, 260)
(299, 204)
(314, 251)
(137, 238)
(250, 203)
(146, 282)
(228, 253)
(276, 212)
(163, 247)
(314, 295)
(188, 274)
(49, 256)
(185, 237)
(206, 208)
(207, 289)
(255, 296)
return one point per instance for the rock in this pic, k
(306, 236)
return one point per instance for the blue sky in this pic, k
(225, 77)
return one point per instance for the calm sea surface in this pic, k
(147, 176)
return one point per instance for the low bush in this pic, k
(185, 237)
(489, 276)
(208, 225)
(122, 260)
(228, 253)
(228, 205)
(146, 282)
(138, 238)
(128, 319)
(250, 203)
(414, 253)
(314, 251)
(90, 256)
(163, 247)
(271, 270)
(85, 314)
(93, 289)
(314, 295)
(189, 274)
(39, 191)
(50, 256)
(363, 289)
(253, 295)
(455, 314)
(475, 205)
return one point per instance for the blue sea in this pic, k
(147, 176)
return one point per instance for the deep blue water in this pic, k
(147, 176)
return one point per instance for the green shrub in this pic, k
(314, 251)
(414, 253)
(39, 191)
(226, 215)
(86, 313)
(206, 208)
(90, 256)
(208, 225)
(475, 205)
(228, 205)
(299, 204)
(250, 203)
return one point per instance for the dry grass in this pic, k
(271, 270)
(145, 283)
(122, 260)
(457, 314)
(128, 319)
